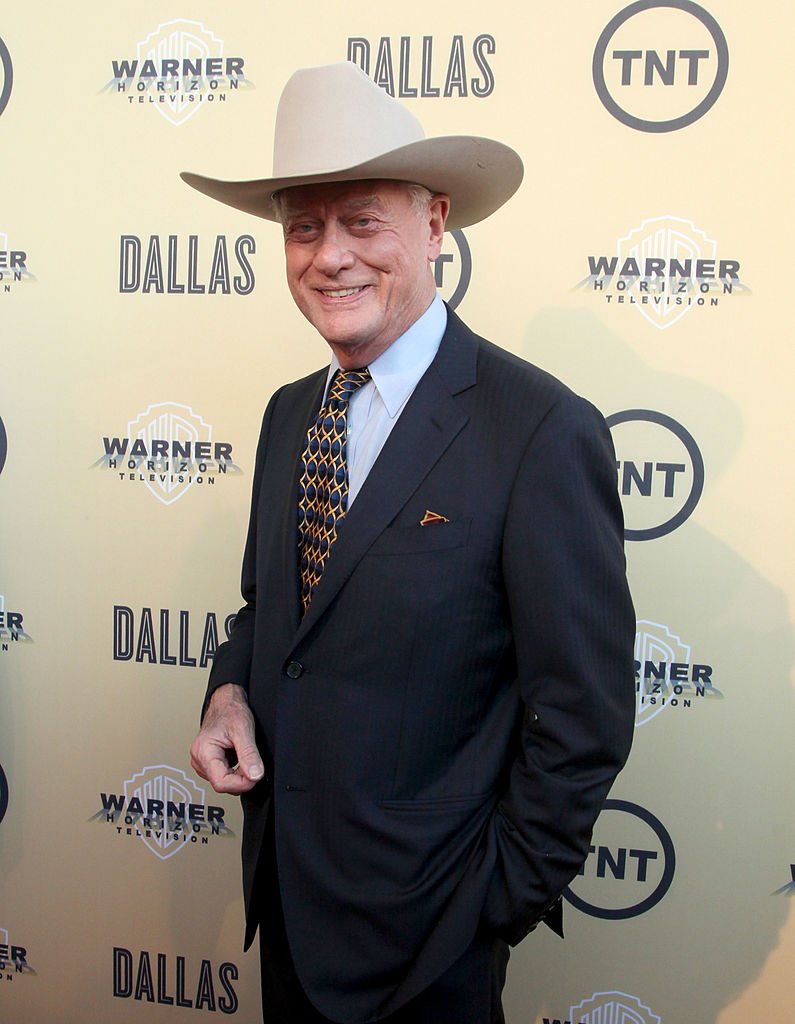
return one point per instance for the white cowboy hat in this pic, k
(335, 124)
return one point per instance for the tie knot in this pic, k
(345, 382)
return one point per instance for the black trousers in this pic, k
(469, 992)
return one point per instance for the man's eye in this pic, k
(300, 230)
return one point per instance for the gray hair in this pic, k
(420, 197)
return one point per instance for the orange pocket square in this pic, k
(432, 517)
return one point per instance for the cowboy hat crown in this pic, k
(335, 124)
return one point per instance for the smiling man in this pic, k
(358, 258)
(429, 689)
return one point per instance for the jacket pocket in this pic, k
(406, 540)
(438, 804)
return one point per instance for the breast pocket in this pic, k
(408, 540)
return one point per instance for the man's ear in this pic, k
(438, 209)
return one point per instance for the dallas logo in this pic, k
(169, 448)
(165, 809)
(665, 267)
(13, 265)
(664, 675)
(409, 76)
(158, 641)
(177, 68)
(613, 1008)
(173, 981)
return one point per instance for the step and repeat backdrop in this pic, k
(143, 328)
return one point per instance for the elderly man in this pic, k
(429, 689)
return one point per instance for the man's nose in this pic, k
(333, 253)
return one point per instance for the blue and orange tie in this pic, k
(323, 490)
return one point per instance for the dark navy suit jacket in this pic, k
(441, 728)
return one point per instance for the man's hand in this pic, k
(228, 726)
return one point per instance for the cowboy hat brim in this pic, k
(478, 174)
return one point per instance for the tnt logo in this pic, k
(660, 65)
(6, 76)
(630, 866)
(3, 793)
(453, 268)
(660, 472)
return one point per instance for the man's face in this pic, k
(358, 261)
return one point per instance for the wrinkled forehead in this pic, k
(353, 194)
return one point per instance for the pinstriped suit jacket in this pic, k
(442, 727)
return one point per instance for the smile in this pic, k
(341, 293)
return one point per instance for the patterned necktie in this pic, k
(323, 491)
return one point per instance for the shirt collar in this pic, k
(397, 371)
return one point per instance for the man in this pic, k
(429, 689)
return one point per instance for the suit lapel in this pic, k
(426, 427)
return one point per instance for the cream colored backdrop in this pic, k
(134, 310)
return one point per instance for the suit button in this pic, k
(294, 670)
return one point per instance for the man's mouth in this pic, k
(341, 293)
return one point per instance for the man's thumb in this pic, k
(250, 763)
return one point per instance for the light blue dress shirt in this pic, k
(374, 409)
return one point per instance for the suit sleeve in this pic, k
(573, 627)
(232, 661)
